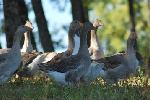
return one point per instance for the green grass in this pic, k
(134, 88)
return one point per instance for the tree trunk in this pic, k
(132, 19)
(23, 12)
(80, 12)
(12, 20)
(44, 35)
(15, 14)
(132, 13)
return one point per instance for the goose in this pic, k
(31, 63)
(27, 46)
(10, 61)
(128, 65)
(95, 48)
(78, 64)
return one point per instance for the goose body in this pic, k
(71, 69)
(10, 61)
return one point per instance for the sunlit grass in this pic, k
(39, 88)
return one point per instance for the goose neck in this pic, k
(83, 50)
(94, 39)
(27, 37)
(71, 43)
(130, 46)
(27, 46)
(16, 41)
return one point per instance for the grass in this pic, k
(134, 88)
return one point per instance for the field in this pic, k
(134, 88)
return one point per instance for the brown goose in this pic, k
(70, 70)
(32, 63)
(95, 48)
(10, 61)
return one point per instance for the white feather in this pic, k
(58, 77)
(77, 45)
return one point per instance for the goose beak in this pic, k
(29, 25)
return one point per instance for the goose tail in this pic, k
(58, 77)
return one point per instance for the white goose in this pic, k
(10, 61)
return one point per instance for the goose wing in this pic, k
(3, 57)
(4, 50)
(61, 64)
(27, 58)
(112, 61)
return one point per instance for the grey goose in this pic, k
(10, 61)
(70, 70)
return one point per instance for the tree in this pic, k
(12, 20)
(80, 12)
(23, 12)
(132, 19)
(15, 14)
(45, 37)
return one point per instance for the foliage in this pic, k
(115, 15)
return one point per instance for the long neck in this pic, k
(16, 42)
(71, 42)
(27, 46)
(94, 39)
(130, 46)
(83, 50)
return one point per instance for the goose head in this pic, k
(74, 27)
(29, 24)
(88, 26)
(97, 23)
(22, 29)
(27, 27)
(73, 37)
